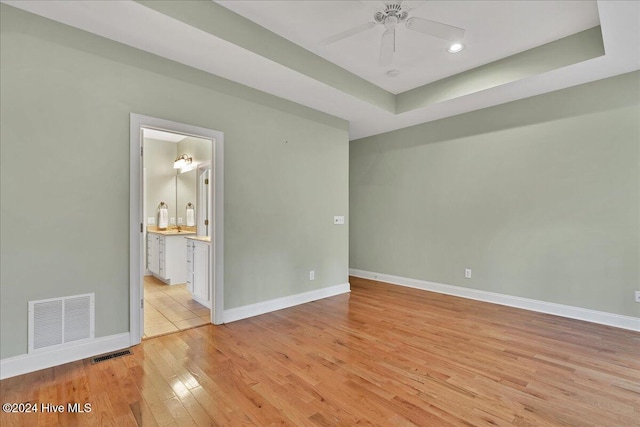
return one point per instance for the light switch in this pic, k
(338, 220)
(179, 220)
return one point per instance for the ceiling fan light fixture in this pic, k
(391, 23)
(455, 48)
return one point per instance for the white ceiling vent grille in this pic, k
(60, 322)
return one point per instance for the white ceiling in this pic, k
(493, 30)
(162, 135)
(136, 25)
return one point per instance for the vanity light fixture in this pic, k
(455, 48)
(182, 161)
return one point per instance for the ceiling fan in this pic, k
(391, 16)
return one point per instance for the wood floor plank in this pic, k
(382, 355)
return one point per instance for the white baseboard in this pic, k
(601, 317)
(25, 363)
(257, 309)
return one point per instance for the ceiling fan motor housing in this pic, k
(390, 9)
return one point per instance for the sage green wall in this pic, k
(65, 102)
(186, 190)
(539, 197)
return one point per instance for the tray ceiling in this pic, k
(493, 30)
(274, 47)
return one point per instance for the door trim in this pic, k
(136, 220)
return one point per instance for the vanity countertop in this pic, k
(173, 232)
(205, 239)
(185, 231)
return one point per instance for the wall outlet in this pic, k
(338, 220)
(312, 275)
(467, 273)
(637, 296)
(179, 220)
(151, 220)
(172, 220)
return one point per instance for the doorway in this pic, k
(168, 221)
(171, 165)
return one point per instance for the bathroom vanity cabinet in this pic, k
(198, 270)
(166, 258)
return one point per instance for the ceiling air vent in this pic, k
(60, 322)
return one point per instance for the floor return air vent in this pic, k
(110, 356)
(61, 322)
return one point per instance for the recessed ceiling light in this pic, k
(393, 73)
(455, 48)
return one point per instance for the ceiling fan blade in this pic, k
(435, 29)
(348, 33)
(387, 47)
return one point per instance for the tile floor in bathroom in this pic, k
(170, 309)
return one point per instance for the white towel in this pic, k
(163, 218)
(191, 218)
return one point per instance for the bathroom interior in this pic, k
(178, 215)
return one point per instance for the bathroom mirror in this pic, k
(186, 185)
(163, 183)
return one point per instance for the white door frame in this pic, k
(136, 219)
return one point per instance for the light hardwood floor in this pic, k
(170, 309)
(382, 355)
